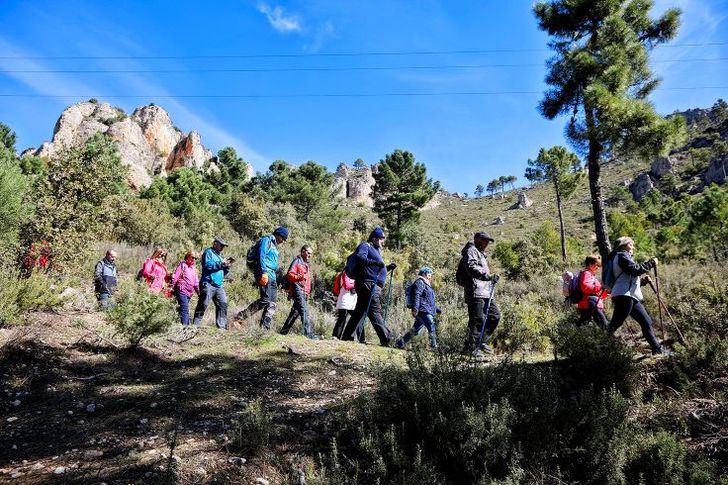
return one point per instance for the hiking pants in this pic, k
(105, 301)
(341, 320)
(593, 313)
(476, 319)
(299, 309)
(210, 292)
(370, 295)
(626, 306)
(422, 320)
(266, 302)
(184, 308)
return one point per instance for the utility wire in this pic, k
(310, 69)
(317, 95)
(332, 54)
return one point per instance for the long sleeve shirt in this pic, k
(268, 257)
(184, 279)
(213, 268)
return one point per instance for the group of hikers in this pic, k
(360, 289)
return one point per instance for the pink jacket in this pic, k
(185, 280)
(155, 274)
(590, 286)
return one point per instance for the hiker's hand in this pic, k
(379, 264)
(647, 280)
(438, 311)
(494, 278)
(414, 312)
(653, 261)
(263, 280)
(391, 267)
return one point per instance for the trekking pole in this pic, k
(389, 297)
(485, 318)
(659, 302)
(663, 305)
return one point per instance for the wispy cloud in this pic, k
(321, 35)
(278, 19)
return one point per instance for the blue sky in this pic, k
(463, 140)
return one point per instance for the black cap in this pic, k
(221, 241)
(483, 235)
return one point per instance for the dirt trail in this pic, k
(75, 409)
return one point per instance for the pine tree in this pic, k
(401, 189)
(560, 167)
(600, 77)
(479, 190)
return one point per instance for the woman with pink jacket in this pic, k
(154, 271)
(591, 305)
(185, 283)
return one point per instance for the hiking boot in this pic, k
(486, 349)
(662, 350)
(399, 343)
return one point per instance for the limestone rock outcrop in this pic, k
(148, 142)
(641, 186)
(523, 201)
(355, 184)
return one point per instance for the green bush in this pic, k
(253, 429)
(590, 358)
(18, 296)
(142, 222)
(139, 314)
(696, 368)
(655, 459)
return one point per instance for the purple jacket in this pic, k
(185, 279)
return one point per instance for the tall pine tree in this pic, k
(401, 189)
(560, 167)
(600, 77)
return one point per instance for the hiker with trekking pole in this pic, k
(625, 278)
(366, 266)
(474, 275)
(298, 285)
(585, 290)
(420, 299)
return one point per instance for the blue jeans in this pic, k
(105, 301)
(422, 320)
(184, 308)
(299, 309)
(209, 292)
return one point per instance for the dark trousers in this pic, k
(476, 319)
(299, 309)
(266, 302)
(209, 292)
(626, 306)
(594, 314)
(368, 303)
(184, 308)
(422, 320)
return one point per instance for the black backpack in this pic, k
(252, 258)
(575, 293)
(462, 277)
(409, 294)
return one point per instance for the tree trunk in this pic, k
(595, 188)
(561, 221)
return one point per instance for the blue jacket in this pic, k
(424, 297)
(268, 257)
(105, 276)
(213, 271)
(370, 265)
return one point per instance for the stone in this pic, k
(262, 481)
(16, 403)
(355, 184)
(12, 419)
(499, 221)
(641, 185)
(59, 470)
(523, 202)
(148, 142)
(716, 171)
(93, 454)
(91, 408)
(236, 460)
(661, 167)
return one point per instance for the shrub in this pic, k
(18, 296)
(655, 459)
(142, 222)
(253, 429)
(593, 359)
(139, 314)
(696, 368)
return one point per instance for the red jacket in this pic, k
(590, 286)
(299, 274)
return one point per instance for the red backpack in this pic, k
(338, 283)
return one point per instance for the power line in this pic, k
(308, 69)
(316, 95)
(326, 54)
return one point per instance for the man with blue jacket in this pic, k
(370, 275)
(265, 270)
(424, 309)
(214, 269)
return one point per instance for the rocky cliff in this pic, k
(355, 183)
(148, 141)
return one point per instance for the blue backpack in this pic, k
(608, 278)
(575, 293)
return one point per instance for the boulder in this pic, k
(661, 167)
(189, 152)
(641, 185)
(355, 184)
(161, 135)
(523, 202)
(499, 221)
(716, 171)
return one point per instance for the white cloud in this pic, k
(279, 20)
